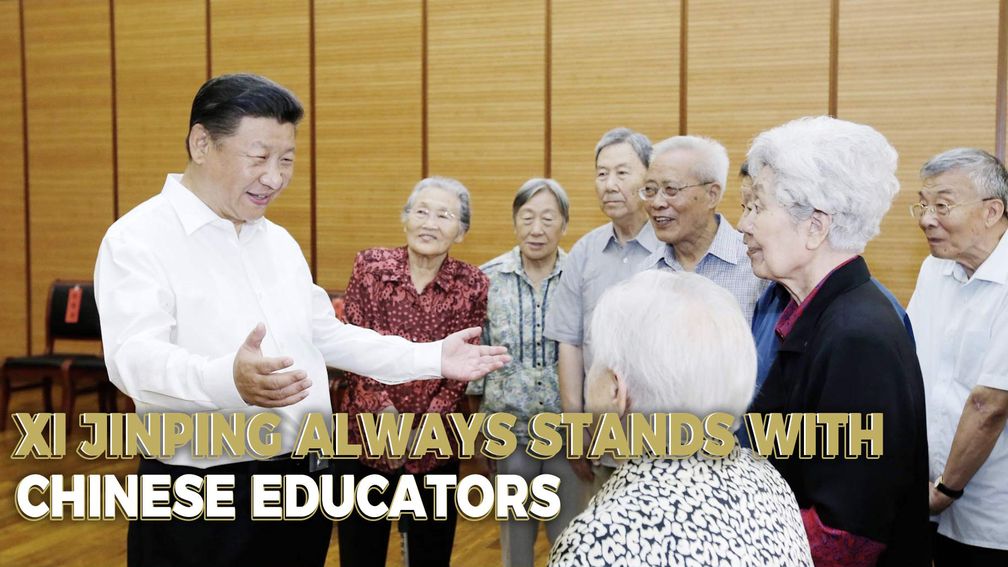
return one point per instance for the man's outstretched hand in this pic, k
(463, 361)
(258, 378)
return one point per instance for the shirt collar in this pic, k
(399, 271)
(727, 243)
(793, 310)
(512, 263)
(994, 269)
(726, 246)
(193, 213)
(646, 238)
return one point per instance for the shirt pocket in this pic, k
(969, 357)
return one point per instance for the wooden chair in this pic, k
(71, 314)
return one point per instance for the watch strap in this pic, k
(941, 487)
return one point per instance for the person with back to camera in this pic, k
(676, 342)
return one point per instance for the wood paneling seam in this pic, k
(26, 181)
(683, 59)
(834, 57)
(312, 196)
(1001, 97)
(115, 113)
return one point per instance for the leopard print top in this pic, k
(697, 511)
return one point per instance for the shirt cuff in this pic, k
(219, 384)
(427, 359)
(560, 337)
(997, 381)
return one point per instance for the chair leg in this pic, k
(68, 393)
(103, 398)
(47, 394)
(113, 397)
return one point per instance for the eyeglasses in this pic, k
(917, 210)
(649, 192)
(420, 214)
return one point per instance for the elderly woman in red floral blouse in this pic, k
(420, 293)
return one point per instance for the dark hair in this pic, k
(744, 169)
(223, 101)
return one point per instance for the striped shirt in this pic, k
(516, 315)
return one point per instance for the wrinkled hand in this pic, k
(463, 361)
(583, 469)
(259, 380)
(937, 502)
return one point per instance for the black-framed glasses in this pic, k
(649, 192)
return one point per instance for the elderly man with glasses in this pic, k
(682, 189)
(960, 317)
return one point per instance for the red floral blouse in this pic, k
(381, 296)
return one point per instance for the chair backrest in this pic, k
(72, 312)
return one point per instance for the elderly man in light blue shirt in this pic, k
(605, 256)
(682, 189)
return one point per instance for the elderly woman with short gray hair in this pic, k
(677, 342)
(820, 189)
(421, 293)
(523, 282)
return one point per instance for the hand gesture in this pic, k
(463, 361)
(259, 380)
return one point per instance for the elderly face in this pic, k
(247, 170)
(775, 244)
(539, 226)
(619, 175)
(432, 223)
(954, 236)
(683, 216)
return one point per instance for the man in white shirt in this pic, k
(206, 306)
(959, 312)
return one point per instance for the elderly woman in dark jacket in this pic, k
(821, 187)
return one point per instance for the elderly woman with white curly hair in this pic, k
(820, 189)
(677, 342)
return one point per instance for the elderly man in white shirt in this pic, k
(959, 312)
(207, 306)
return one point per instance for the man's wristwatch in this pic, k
(940, 487)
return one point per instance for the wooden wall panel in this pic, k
(486, 109)
(272, 39)
(160, 63)
(924, 77)
(752, 66)
(14, 299)
(368, 86)
(613, 64)
(68, 64)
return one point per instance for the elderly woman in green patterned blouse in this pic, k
(521, 283)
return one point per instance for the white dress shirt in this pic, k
(961, 327)
(179, 290)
